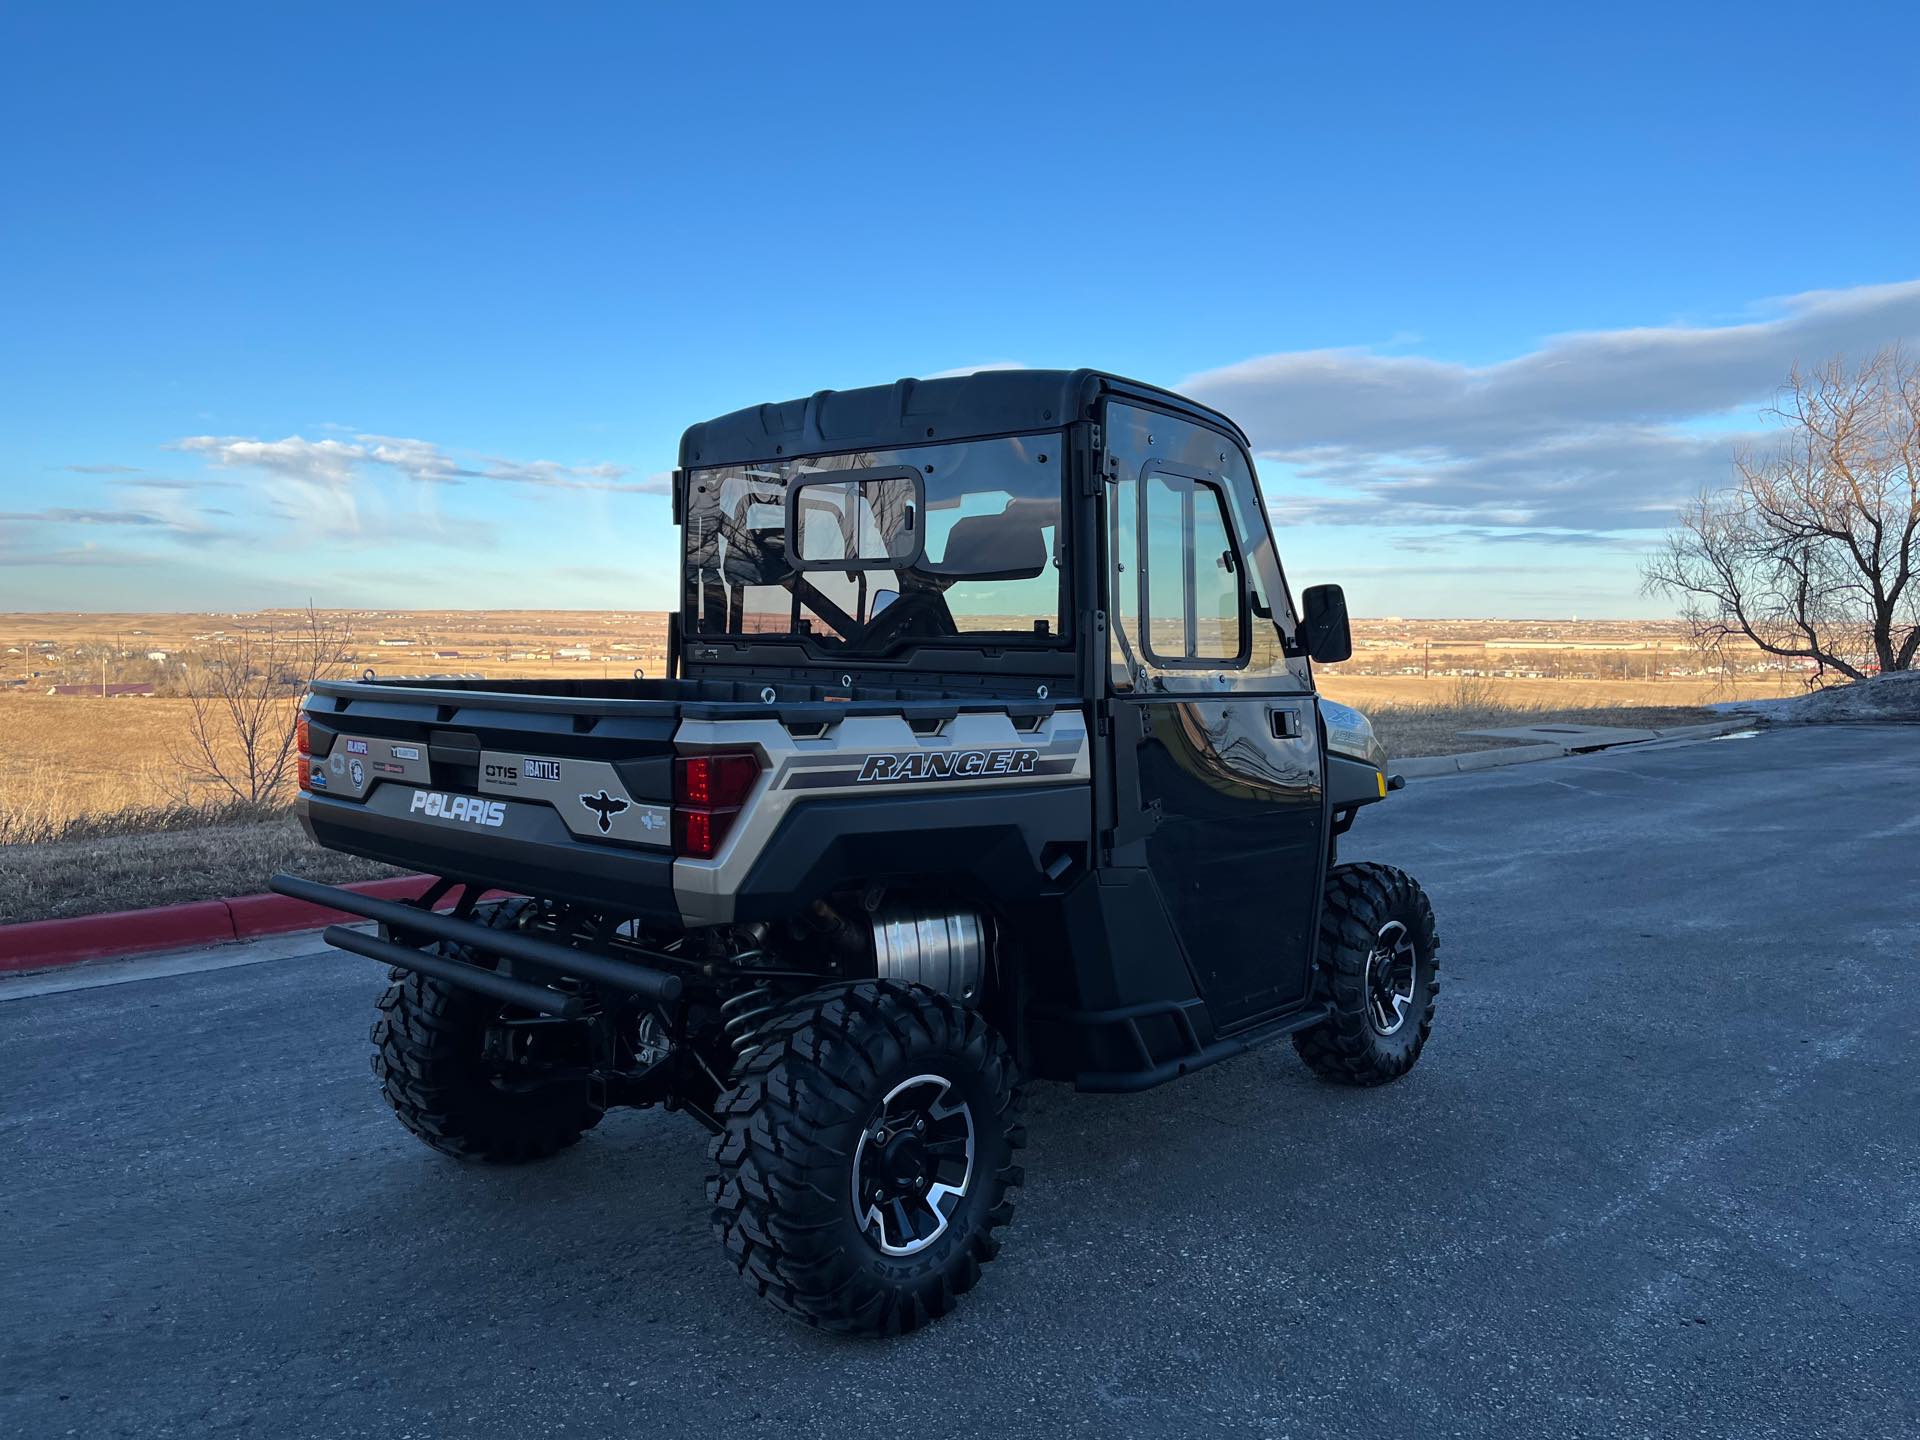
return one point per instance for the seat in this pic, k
(1009, 546)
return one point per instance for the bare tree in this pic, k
(1812, 552)
(245, 695)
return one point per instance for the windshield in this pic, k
(866, 552)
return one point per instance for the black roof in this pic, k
(913, 412)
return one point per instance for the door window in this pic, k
(1142, 443)
(1193, 605)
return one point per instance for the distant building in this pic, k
(112, 691)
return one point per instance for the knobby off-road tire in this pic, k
(428, 1054)
(1379, 959)
(800, 1127)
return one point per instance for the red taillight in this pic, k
(708, 791)
(714, 781)
(303, 742)
(699, 832)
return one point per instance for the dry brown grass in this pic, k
(1432, 724)
(1374, 692)
(1410, 730)
(128, 871)
(88, 822)
(64, 758)
(45, 821)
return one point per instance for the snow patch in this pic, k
(1880, 699)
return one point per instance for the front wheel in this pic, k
(865, 1158)
(1379, 963)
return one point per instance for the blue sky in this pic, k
(407, 304)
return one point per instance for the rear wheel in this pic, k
(475, 1079)
(866, 1157)
(1379, 961)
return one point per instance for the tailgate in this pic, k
(498, 789)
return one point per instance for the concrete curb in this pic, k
(1712, 727)
(44, 944)
(1426, 767)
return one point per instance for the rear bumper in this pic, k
(409, 928)
(531, 853)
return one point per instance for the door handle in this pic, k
(1286, 722)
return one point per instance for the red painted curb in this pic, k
(256, 915)
(44, 944)
(41, 943)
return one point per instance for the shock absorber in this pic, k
(741, 1015)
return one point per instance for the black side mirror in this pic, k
(1324, 623)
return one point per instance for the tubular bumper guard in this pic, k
(532, 951)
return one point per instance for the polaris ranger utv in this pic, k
(988, 748)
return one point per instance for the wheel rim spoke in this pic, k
(1392, 975)
(912, 1165)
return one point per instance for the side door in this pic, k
(1218, 784)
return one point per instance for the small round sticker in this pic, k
(359, 773)
(338, 764)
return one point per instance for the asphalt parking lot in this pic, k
(1658, 1174)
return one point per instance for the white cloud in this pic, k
(61, 515)
(344, 494)
(313, 462)
(575, 477)
(317, 477)
(160, 484)
(13, 552)
(416, 459)
(340, 463)
(1591, 431)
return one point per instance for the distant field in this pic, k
(72, 756)
(66, 756)
(80, 758)
(1368, 692)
